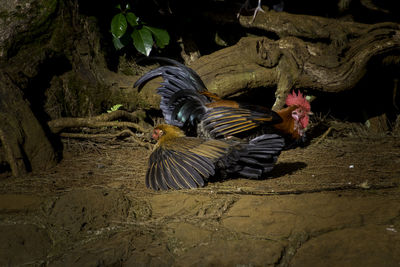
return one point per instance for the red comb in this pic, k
(299, 100)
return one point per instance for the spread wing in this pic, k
(184, 163)
(227, 121)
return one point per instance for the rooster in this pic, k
(182, 162)
(186, 103)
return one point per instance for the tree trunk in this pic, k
(24, 144)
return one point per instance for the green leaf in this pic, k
(161, 36)
(117, 43)
(118, 25)
(132, 19)
(114, 108)
(142, 40)
(128, 6)
(118, 6)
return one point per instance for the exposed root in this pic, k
(122, 133)
(106, 120)
(103, 120)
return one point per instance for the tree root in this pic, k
(334, 60)
(58, 126)
(23, 142)
(122, 133)
(103, 120)
(13, 154)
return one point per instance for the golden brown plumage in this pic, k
(225, 121)
(180, 162)
(288, 124)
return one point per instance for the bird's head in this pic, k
(302, 112)
(166, 131)
(157, 133)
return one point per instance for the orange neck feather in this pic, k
(170, 132)
(287, 125)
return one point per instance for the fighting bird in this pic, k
(187, 103)
(182, 162)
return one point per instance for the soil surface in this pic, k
(333, 203)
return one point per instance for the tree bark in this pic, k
(24, 144)
(312, 53)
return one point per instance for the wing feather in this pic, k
(151, 182)
(183, 175)
(184, 163)
(166, 175)
(161, 181)
(202, 164)
(225, 121)
(171, 171)
(148, 175)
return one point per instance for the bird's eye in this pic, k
(156, 134)
(298, 112)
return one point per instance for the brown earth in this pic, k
(335, 203)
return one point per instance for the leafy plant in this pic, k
(127, 27)
(114, 108)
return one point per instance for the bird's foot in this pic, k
(256, 10)
(246, 6)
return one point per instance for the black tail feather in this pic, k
(178, 74)
(181, 101)
(259, 156)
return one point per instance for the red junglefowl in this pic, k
(186, 103)
(180, 162)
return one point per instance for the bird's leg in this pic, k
(246, 6)
(258, 8)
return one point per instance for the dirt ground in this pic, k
(333, 203)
